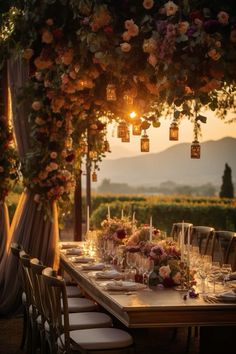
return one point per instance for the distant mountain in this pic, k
(174, 164)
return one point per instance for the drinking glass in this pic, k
(226, 270)
(215, 274)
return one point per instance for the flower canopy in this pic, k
(92, 61)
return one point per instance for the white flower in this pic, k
(164, 271)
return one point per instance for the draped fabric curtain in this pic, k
(4, 229)
(37, 235)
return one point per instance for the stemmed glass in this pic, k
(226, 270)
(215, 274)
(204, 270)
(148, 266)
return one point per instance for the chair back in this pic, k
(202, 236)
(57, 307)
(36, 270)
(177, 229)
(27, 278)
(15, 249)
(224, 247)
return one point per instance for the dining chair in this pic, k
(81, 341)
(224, 247)
(77, 320)
(16, 248)
(177, 229)
(202, 236)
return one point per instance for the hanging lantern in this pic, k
(121, 130)
(94, 176)
(111, 92)
(106, 146)
(68, 143)
(136, 129)
(195, 150)
(126, 138)
(144, 143)
(174, 131)
(128, 99)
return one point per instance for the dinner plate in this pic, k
(122, 285)
(93, 266)
(81, 259)
(73, 251)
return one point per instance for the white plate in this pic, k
(81, 259)
(122, 285)
(93, 266)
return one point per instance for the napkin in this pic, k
(93, 266)
(227, 296)
(73, 251)
(123, 285)
(108, 274)
(82, 259)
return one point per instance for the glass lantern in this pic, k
(174, 132)
(136, 129)
(111, 92)
(126, 138)
(94, 176)
(106, 146)
(144, 143)
(195, 150)
(128, 99)
(121, 130)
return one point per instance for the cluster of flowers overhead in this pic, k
(105, 58)
(8, 160)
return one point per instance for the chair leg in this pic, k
(24, 333)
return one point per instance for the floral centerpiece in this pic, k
(117, 230)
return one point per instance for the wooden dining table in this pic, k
(157, 307)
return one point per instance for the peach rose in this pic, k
(126, 36)
(28, 53)
(152, 60)
(53, 155)
(47, 37)
(67, 56)
(148, 4)
(125, 47)
(171, 8)
(183, 27)
(165, 271)
(36, 105)
(223, 17)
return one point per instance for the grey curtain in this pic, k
(39, 237)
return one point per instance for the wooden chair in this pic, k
(16, 248)
(202, 236)
(224, 247)
(177, 229)
(77, 320)
(97, 340)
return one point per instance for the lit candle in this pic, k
(87, 218)
(182, 242)
(133, 222)
(188, 247)
(108, 212)
(150, 227)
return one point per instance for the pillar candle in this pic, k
(182, 242)
(122, 214)
(150, 227)
(108, 212)
(87, 218)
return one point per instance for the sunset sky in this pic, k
(214, 129)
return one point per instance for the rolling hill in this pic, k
(174, 164)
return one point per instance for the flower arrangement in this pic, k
(117, 230)
(8, 160)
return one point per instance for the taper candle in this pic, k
(87, 218)
(150, 231)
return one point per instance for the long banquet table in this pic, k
(161, 307)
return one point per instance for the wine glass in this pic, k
(215, 274)
(226, 270)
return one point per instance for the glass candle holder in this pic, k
(145, 143)
(174, 132)
(111, 92)
(195, 150)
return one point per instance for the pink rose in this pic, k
(148, 4)
(223, 17)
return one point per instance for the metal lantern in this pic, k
(136, 129)
(94, 176)
(195, 150)
(111, 92)
(106, 146)
(174, 131)
(144, 143)
(121, 130)
(128, 99)
(126, 138)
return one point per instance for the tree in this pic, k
(227, 188)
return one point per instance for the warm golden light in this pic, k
(133, 115)
(144, 143)
(174, 132)
(94, 177)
